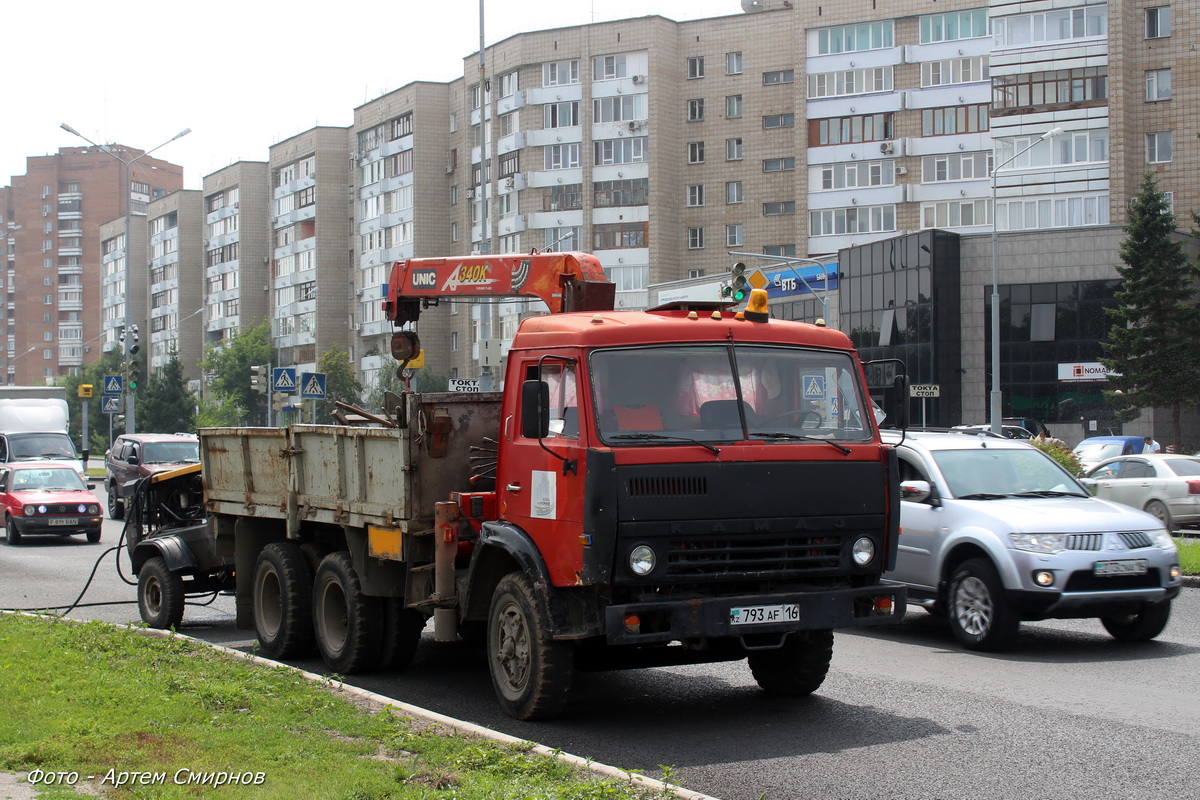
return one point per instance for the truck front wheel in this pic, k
(160, 595)
(283, 601)
(796, 669)
(347, 622)
(531, 673)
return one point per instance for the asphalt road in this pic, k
(905, 713)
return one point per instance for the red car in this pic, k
(47, 498)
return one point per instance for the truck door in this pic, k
(541, 486)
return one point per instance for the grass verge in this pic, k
(104, 702)
(1189, 554)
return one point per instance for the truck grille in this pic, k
(667, 486)
(760, 556)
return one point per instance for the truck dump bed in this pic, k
(350, 475)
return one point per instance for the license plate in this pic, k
(755, 615)
(1133, 566)
(64, 521)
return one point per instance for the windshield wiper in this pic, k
(982, 496)
(705, 445)
(1047, 493)
(780, 435)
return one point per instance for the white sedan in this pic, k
(1166, 485)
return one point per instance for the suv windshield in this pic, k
(982, 473)
(170, 452)
(727, 393)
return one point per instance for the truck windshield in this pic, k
(41, 446)
(727, 393)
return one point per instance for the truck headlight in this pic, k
(1039, 542)
(642, 560)
(863, 551)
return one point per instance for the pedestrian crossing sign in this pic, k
(312, 385)
(112, 384)
(283, 379)
(814, 387)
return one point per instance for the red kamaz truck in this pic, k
(680, 485)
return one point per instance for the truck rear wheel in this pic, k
(283, 601)
(346, 621)
(531, 673)
(401, 634)
(796, 669)
(160, 595)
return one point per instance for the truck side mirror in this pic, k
(535, 409)
(899, 411)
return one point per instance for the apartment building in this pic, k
(238, 242)
(174, 326)
(311, 281)
(65, 293)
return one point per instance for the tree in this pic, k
(166, 405)
(1152, 346)
(340, 382)
(229, 365)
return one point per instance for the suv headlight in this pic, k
(1039, 542)
(1161, 538)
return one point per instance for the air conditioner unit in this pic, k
(639, 78)
(354, 327)
(470, 192)
(901, 170)
(510, 182)
(449, 168)
(887, 148)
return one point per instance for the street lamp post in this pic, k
(995, 416)
(130, 397)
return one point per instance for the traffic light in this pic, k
(740, 288)
(133, 344)
(258, 379)
(134, 374)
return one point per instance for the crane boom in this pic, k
(567, 281)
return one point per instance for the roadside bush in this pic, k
(1059, 451)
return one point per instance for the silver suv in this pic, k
(994, 532)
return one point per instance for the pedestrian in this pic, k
(1151, 446)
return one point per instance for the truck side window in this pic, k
(564, 403)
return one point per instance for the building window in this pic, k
(845, 130)
(1158, 84)
(454, 231)
(853, 38)
(954, 26)
(695, 238)
(562, 156)
(954, 167)
(695, 110)
(695, 152)
(733, 235)
(620, 151)
(954, 119)
(1058, 25)
(628, 192)
(695, 67)
(733, 63)
(779, 164)
(954, 70)
(850, 81)
(560, 73)
(780, 250)
(620, 236)
(858, 219)
(733, 106)
(733, 149)
(561, 115)
(779, 76)
(1158, 147)
(733, 192)
(695, 195)
(779, 209)
(608, 67)
(955, 214)
(778, 121)
(453, 340)
(1035, 89)
(1158, 22)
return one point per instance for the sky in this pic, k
(244, 75)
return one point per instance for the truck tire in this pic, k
(346, 621)
(796, 669)
(283, 602)
(531, 673)
(116, 507)
(979, 613)
(401, 634)
(1140, 627)
(160, 595)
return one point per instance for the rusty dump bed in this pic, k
(350, 475)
